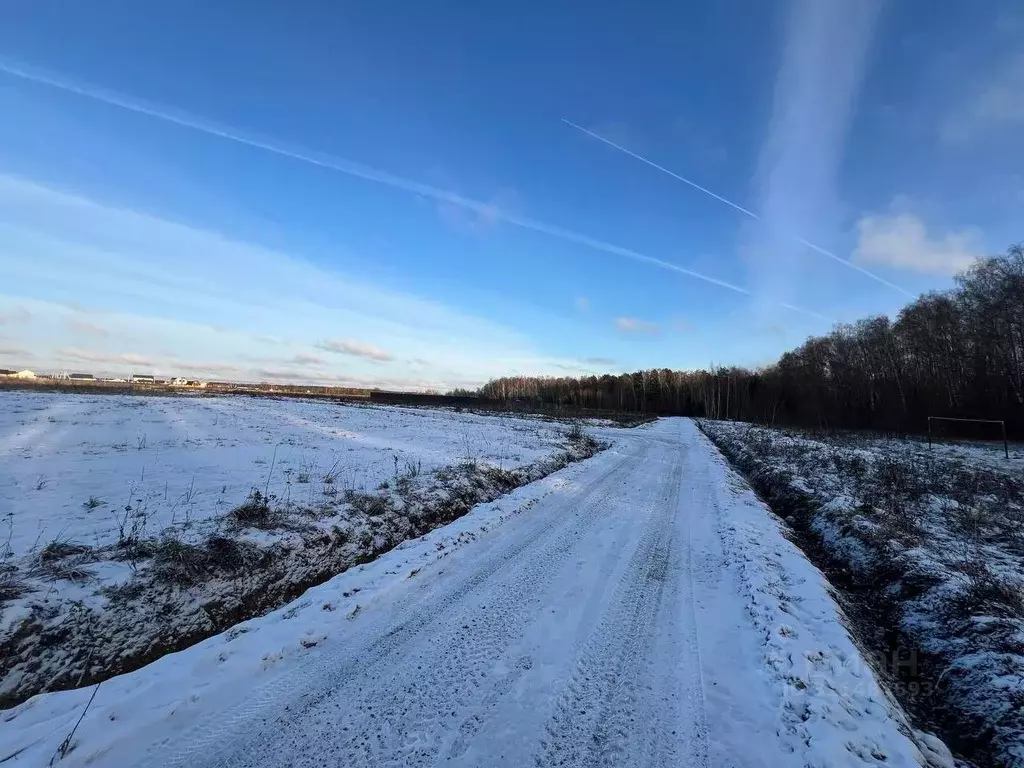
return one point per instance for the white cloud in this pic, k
(78, 355)
(306, 359)
(902, 241)
(635, 325)
(263, 338)
(214, 370)
(84, 326)
(817, 87)
(994, 104)
(297, 376)
(118, 362)
(12, 351)
(173, 293)
(356, 349)
(287, 375)
(16, 315)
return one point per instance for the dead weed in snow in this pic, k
(258, 556)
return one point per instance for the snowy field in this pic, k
(135, 526)
(642, 608)
(988, 455)
(70, 464)
(938, 536)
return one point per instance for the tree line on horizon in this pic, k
(954, 353)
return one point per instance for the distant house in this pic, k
(26, 374)
(179, 381)
(143, 378)
(82, 377)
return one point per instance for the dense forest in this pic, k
(954, 353)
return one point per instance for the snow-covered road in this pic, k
(640, 609)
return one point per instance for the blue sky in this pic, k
(336, 192)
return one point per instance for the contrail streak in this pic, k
(360, 171)
(740, 208)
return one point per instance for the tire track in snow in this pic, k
(596, 594)
(407, 726)
(438, 621)
(605, 716)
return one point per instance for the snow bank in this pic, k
(939, 542)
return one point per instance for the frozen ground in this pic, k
(640, 608)
(138, 525)
(69, 464)
(938, 538)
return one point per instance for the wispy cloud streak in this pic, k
(350, 168)
(735, 206)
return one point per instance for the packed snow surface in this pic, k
(641, 608)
